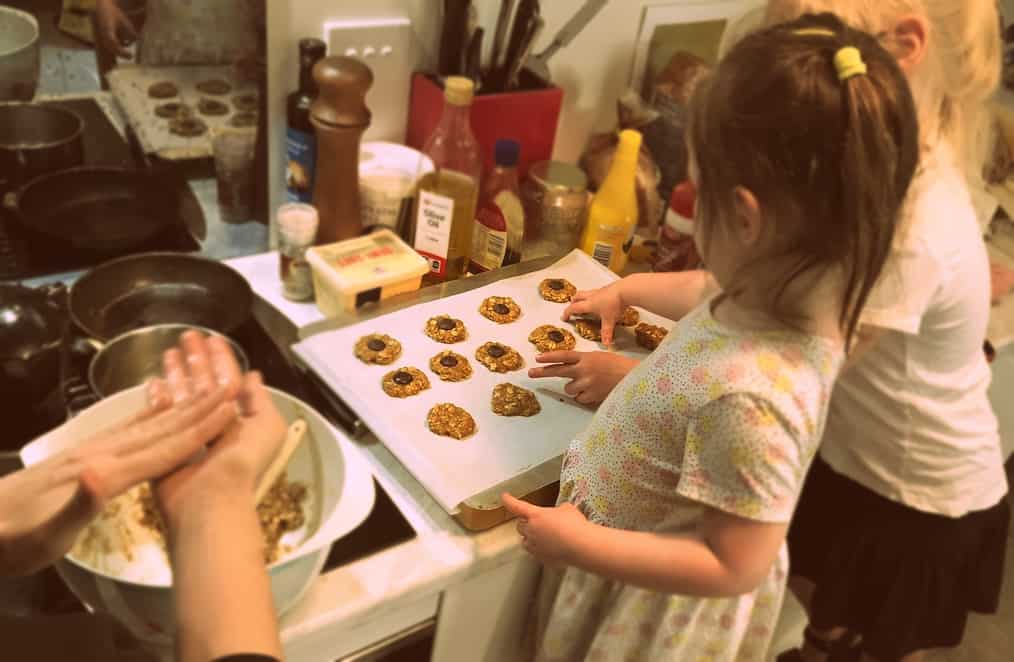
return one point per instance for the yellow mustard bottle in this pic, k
(612, 217)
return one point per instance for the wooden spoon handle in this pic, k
(292, 440)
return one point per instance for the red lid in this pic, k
(683, 199)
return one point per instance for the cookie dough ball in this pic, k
(451, 366)
(377, 348)
(163, 90)
(502, 310)
(498, 357)
(629, 317)
(649, 336)
(405, 382)
(549, 338)
(589, 329)
(511, 400)
(449, 420)
(446, 329)
(557, 290)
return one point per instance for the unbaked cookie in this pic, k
(188, 127)
(173, 110)
(246, 103)
(589, 329)
(449, 420)
(446, 329)
(404, 382)
(212, 107)
(511, 400)
(377, 348)
(215, 86)
(451, 366)
(649, 336)
(163, 90)
(502, 310)
(499, 358)
(629, 317)
(549, 338)
(557, 290)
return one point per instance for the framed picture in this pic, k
(691, 27)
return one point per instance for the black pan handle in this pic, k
(338, 412)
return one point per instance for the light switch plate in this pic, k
(387, 46)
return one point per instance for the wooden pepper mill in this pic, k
(339, 116)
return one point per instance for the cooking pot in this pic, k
(36, 140)
(32, 325)
(19, 55)
(138, 591)
(136, 356)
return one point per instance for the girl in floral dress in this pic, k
(668, 540)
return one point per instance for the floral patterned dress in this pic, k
(714, 418)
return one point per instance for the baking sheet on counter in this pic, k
(502, 447)
(129, 85)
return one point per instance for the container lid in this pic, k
(559, 177)
(364, 263)
(312, 48)
(680, 215)
(507, 152)
(459, 90)
(298, 222)
(342, 83)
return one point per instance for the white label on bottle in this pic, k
(489, 247)
(433, 229)
(603, 253)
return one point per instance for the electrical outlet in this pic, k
(387, 46)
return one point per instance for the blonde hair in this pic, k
(958, 76)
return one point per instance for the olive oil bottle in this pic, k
(446, 197)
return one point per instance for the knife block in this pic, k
(529, 116)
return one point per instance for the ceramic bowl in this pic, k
(19, 55)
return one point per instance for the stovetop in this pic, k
(23, 255)
(384, 527)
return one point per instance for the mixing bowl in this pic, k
(19, 55)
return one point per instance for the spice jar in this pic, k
(297, 230)
(676, 248)
(555, 197)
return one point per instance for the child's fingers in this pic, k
(576, 307)
(198, 361)
(517, 507)
(562, 356)
(176, 375)
(558, 370)
(225, 366)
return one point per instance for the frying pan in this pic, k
(101, 211)
(159, 288)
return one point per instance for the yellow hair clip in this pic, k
(848, 61)
(814, 32)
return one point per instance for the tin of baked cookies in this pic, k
(588, 328)
(498, 357)
(511, 400)
(549, 338)
(449, 420)
(629, 317)
(446, 329)
(557, 290)
(377, 348)
(649, 336)
(502, 310)
(404, 382)
(451, 366)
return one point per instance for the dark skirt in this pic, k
(903, 578)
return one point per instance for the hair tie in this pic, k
(814, 32)
(848, 61)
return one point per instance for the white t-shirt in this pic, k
(911, 419)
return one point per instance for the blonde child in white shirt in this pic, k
(669, 540)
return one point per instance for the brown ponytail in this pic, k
(829, 160)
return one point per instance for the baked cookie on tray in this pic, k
(377, 348)
(649, 336)
(212, 107)
(511, 400)
(449, 420)
(451, 366)
(499, 358)
(557, 290)
(502, 310)
(549, 338)
(404, 382)
(172, 110)
(163, 90)
(215, 86)
(446, 329)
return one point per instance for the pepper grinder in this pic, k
(339, 116)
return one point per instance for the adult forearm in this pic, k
(670, 295)
(222, 590)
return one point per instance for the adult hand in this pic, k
(606, 303)
(46, 505)
(549, 534)
(235, 461)
(114, 28)
(593, 375)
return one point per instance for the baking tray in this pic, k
(129, 85)
(518, 454)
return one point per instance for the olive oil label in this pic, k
(433, 229)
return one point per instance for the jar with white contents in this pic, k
(297, 230)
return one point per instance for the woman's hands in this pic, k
(593, 375)
(46, 505)
(114, 28)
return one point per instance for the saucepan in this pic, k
(36, 140)
(136, 356)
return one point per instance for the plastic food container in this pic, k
(354, 272)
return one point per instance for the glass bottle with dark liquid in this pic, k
(301, 142)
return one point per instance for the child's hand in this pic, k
(593, 375)
(549, 534)
(606, 302)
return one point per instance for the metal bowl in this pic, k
(136, 356)
(19, 55)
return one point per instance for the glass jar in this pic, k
(297, 229)
(555, 197)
